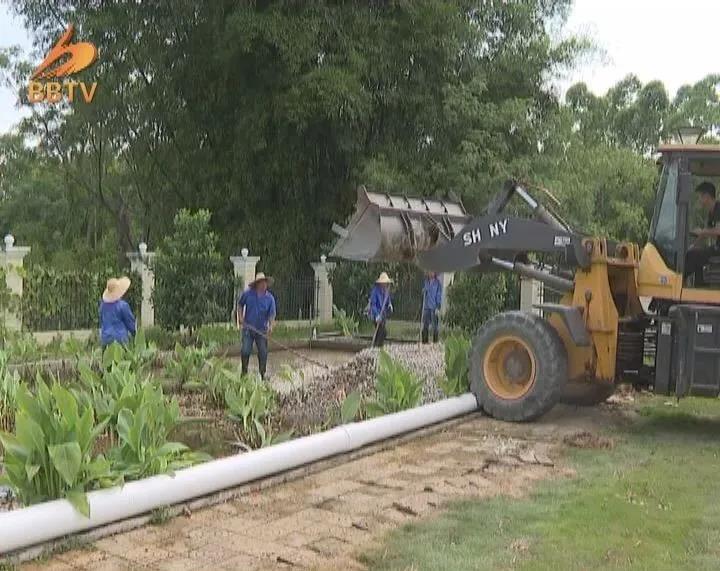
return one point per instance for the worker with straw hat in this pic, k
(255, 316)
(117, 322)
(380, 306)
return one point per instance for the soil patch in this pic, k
(585, 439)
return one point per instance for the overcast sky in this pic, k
(676, 42)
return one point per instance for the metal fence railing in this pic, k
(296, 298)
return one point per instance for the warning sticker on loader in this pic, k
(562, 241)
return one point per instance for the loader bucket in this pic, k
(388, 228)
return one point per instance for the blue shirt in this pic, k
(377, 299)
(259, 309)
(117, 322)
(432, 293)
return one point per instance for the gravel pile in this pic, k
(314, 394)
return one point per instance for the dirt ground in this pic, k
(324, 520)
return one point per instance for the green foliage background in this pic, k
(298, 104)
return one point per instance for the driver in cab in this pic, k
(700, 251)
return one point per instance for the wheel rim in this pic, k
(509, 367)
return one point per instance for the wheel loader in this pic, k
(623, 314)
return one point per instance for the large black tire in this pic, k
(536, 357)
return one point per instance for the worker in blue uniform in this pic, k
(380, 307)
(117, 322)
(255, 315)
(432, 300)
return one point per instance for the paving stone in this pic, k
(146, 554)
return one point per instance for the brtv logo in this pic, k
(63, 60)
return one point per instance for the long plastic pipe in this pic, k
(42, 522)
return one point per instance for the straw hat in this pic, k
(260, 277)
(383, 279)
(115, 288)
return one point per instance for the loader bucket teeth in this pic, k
(395, 228)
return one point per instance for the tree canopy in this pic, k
(268, 114)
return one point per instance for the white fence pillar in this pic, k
(12, 263)
(324, 291)
(446, 280)
(531, 293)
(141, 263)
(244, 266)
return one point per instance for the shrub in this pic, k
(50, 455)
(192, 283)
(473, 298)
(456, 380)
(397, 388)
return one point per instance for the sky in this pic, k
(677, 43)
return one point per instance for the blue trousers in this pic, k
(248, 338)
(430, 320)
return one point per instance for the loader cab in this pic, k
(664, 259)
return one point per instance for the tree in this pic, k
(270, 113)
(189, 276)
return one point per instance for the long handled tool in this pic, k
(377, 325)
(286, 348)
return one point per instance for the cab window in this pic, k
(662, 232)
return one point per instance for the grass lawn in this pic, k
(652, 502)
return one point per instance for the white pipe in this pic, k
(42, 522)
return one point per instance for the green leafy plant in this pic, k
(350, 407)
(456, 380)
(217, 335)
(143, 448)
(396, 388)
(291, 374)
(140, 352)
(9, 383)
(249, 403)
(23, 349)
(186, 364)
(216, 377)
(348, 324)
(163, 339)
(110, 391)
(50, 454)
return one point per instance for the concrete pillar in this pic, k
(531, 293)
(244, 267)
(446, 280)
(141, 262)
(12, 263)
(324, 291)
